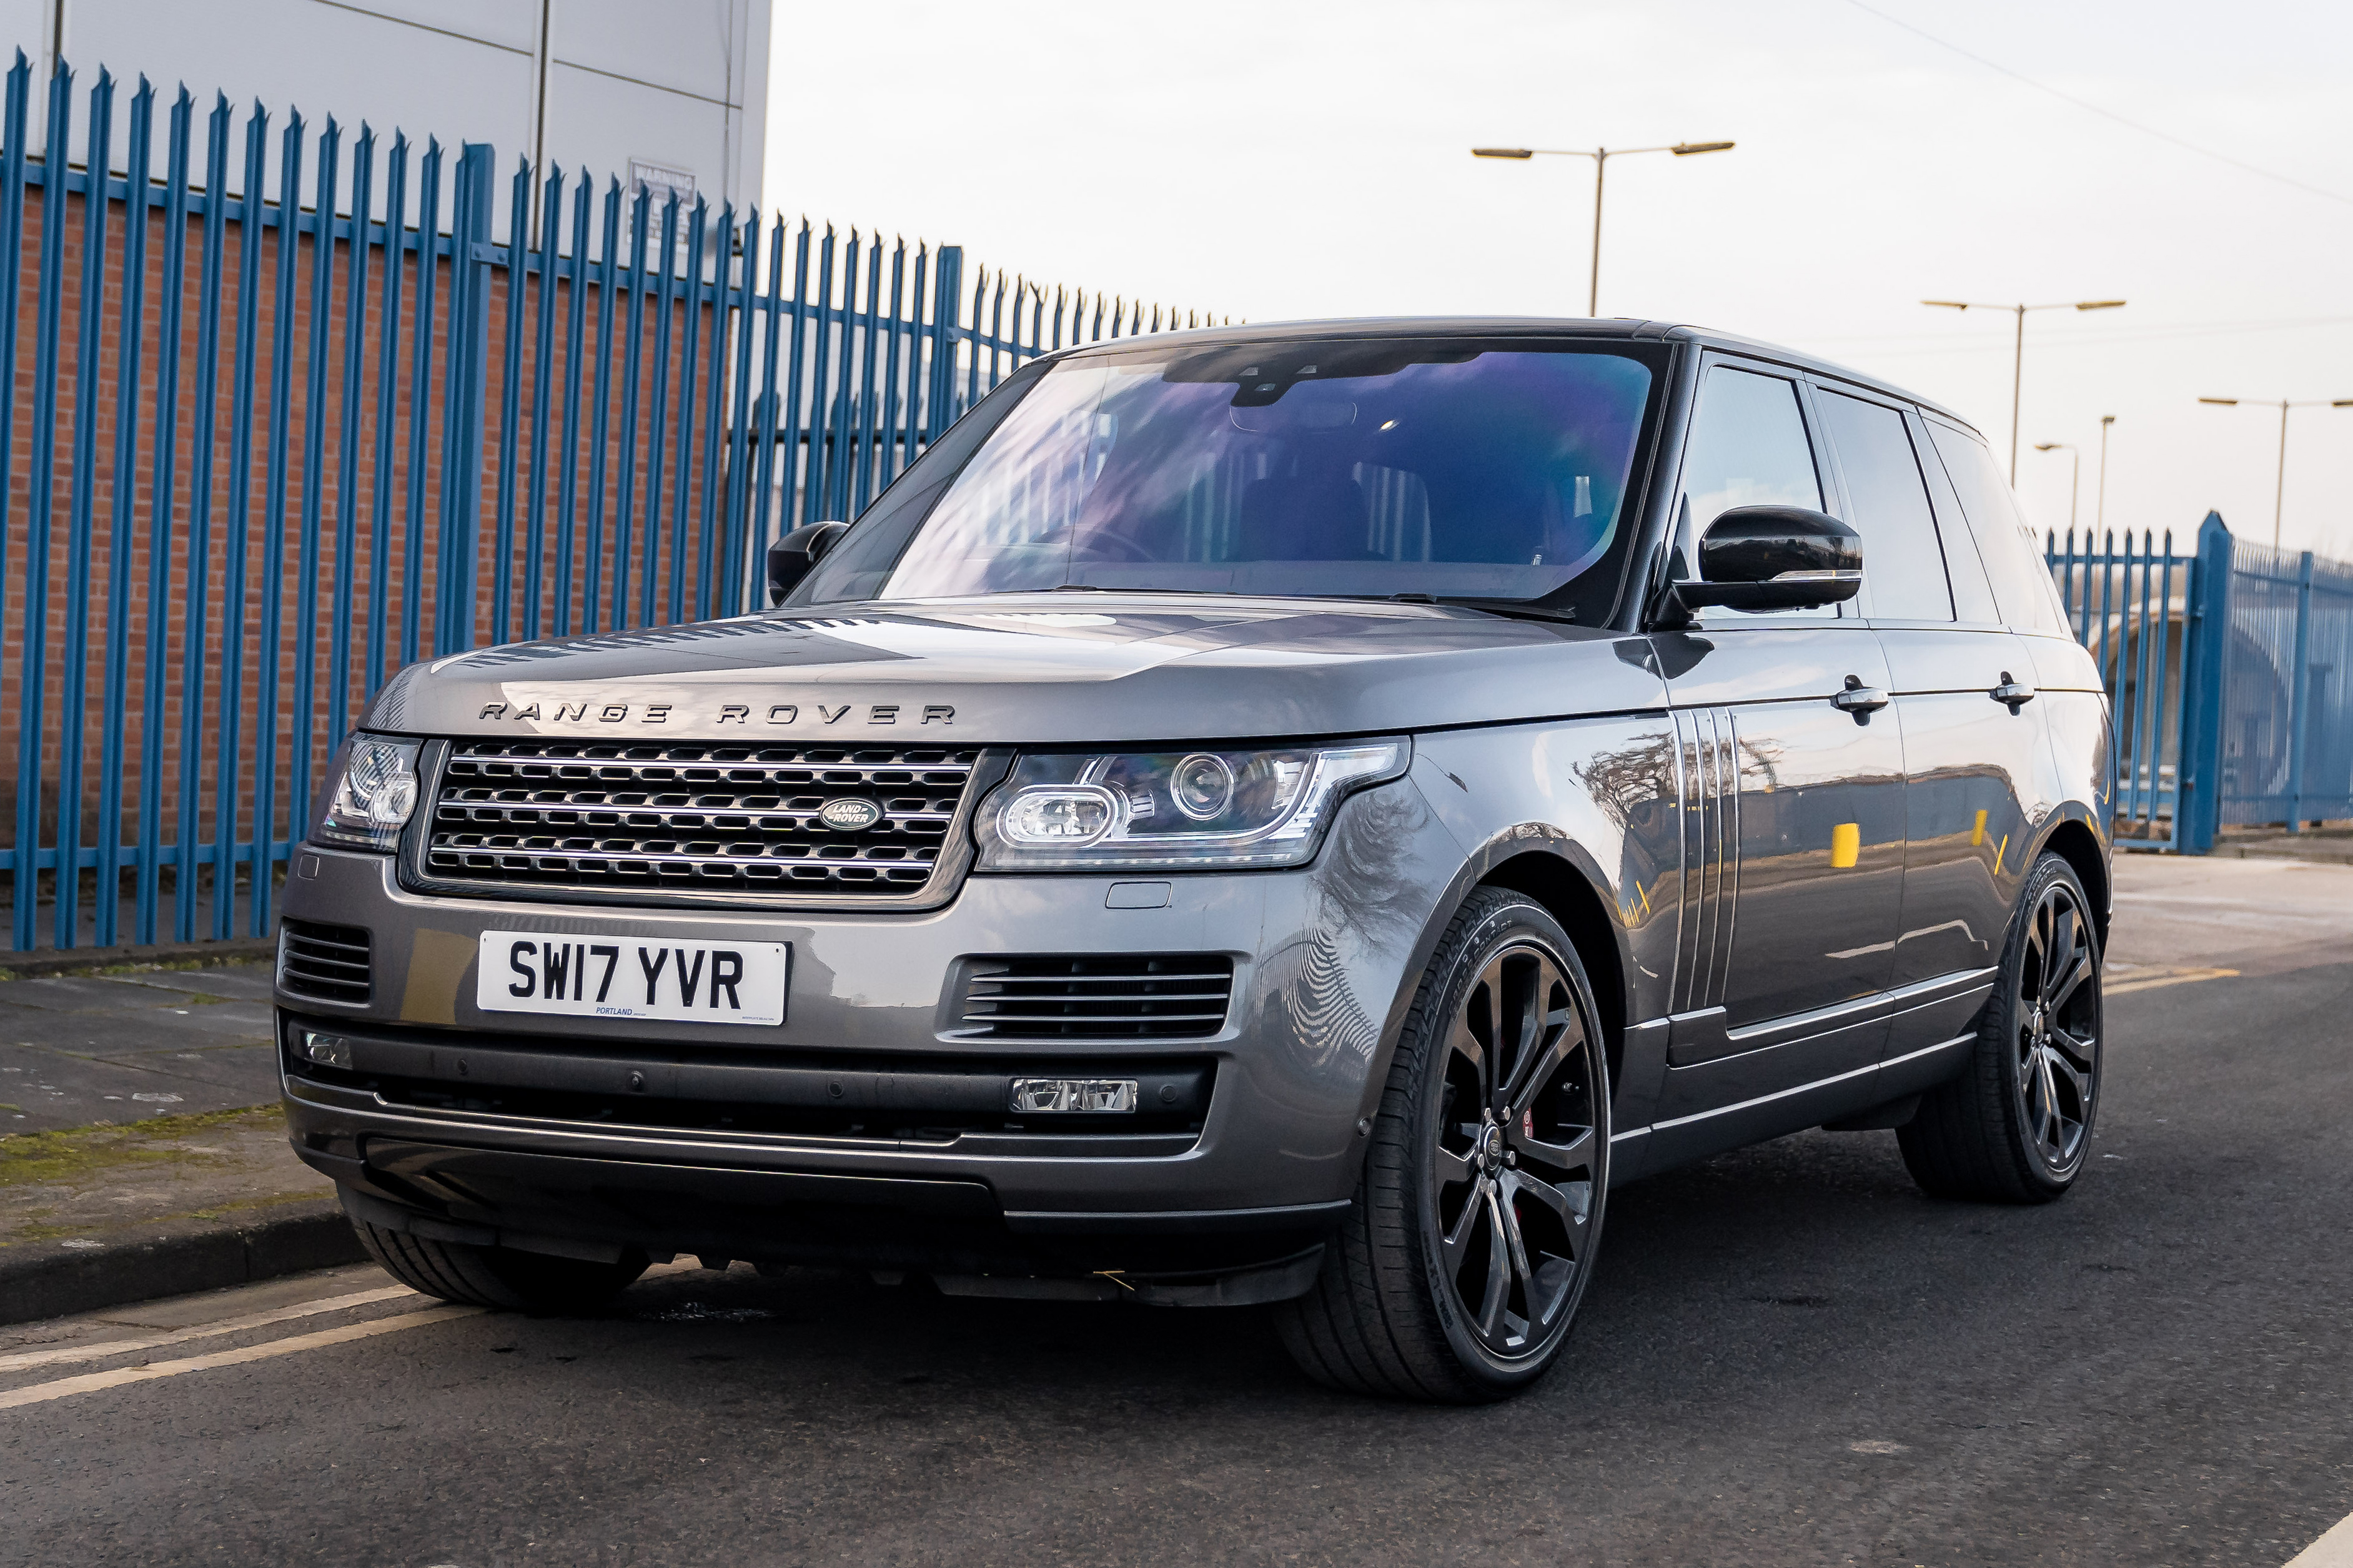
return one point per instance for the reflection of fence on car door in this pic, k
(2228, 667)
(256, 456)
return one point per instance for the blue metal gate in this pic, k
(2229, 671)
(2286, 720)
(267, 453)
(2133, 608)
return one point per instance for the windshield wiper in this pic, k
(1510, 609)
(1094, 588)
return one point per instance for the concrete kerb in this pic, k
(44, 963)
(177, 1257)
(166, 1257)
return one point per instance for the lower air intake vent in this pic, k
(326, 963)
(1122, 996)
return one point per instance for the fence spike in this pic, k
(369, 512)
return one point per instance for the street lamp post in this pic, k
(2074, 479)
(2100, 516)
(2018, 357)
(2279, 492)
(1601, 156)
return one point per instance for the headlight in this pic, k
(370, 794)
(1175, 809)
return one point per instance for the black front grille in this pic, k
(1096, 996)
(700, 817)
(327, 964)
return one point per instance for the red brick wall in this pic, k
(170, 620)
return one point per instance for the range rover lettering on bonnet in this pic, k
(748, 714)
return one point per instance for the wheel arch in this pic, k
(1570, 897)
(1541, 863)
(2075, 841)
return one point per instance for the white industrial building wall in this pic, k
(673, 88)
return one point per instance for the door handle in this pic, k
(1858, 698)
(2012, 693)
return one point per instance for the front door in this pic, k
(1793, 809)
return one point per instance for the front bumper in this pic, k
(1257, 1172)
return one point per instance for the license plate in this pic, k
(627, 977)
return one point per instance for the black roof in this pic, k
(1623, 329)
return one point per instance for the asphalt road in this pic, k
(1788, 1356)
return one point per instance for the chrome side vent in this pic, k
(1095, 996)
(323, 963)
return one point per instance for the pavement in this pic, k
(1788, 1356)
(77, 1050)
(141, 1149)
(2333, 843)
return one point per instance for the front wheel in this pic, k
(2015, 1127)
(497, 1277)
(1474, 1229)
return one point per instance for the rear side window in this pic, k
(1903, 565)
(2022, 582)
(1972, 595)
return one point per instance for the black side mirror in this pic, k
(1775, 558)
(792, 555)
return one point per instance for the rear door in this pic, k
(1793, 812)
(1969, 758)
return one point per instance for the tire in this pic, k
(2016, 1126)
(497, 1277)
(1457, 1271)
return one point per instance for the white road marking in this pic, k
(92, 1381)
(2334, 1549)
(100, 1350)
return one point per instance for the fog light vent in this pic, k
(1033, 1095)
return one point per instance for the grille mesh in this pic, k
(1097, 996)
(327, 964)
(700, 818)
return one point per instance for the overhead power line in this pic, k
(1942, 341)
(2240, 164)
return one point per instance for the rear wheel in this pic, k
(497, 1277)
(2015, 1127)
(1473, 1234)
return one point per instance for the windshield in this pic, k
(1359, 468)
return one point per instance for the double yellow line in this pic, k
(92, 1381)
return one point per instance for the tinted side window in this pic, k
(1972, 593)
(2013, 560)
(1903, 565)
(1748, 447)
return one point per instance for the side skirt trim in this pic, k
(1817, 1083)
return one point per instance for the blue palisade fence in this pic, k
(285, 427)
(2228, 670)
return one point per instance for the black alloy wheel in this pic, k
(1514, 1200)
(1474, 1229)
(2016, 1126)
(2056, 1020)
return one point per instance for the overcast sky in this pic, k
(1282, 158)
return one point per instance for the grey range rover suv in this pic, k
(1288, 816)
